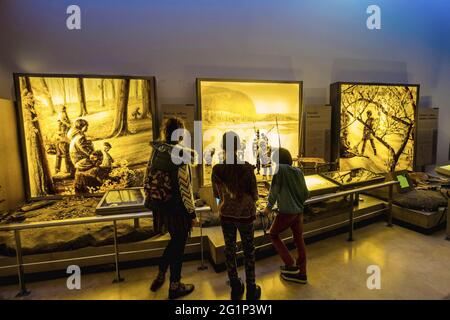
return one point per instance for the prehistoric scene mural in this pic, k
(85, 135)
(264, 114)
(377, 127)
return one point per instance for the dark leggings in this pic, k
(173, 255)
(229, 233)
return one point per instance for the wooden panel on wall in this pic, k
(11, 181)
(427, 133)
(318, 132)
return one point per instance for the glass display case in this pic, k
(353, 178)
(265, 115)
(129, 200)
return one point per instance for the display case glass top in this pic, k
(122, 201)
(318, 185)
(354, 177)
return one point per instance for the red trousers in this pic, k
(282, 222)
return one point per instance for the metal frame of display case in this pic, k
(353, 194)
(17, 228)
(21, 129)
(198, 109)
(356, 184)
(335, 102)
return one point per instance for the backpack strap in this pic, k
(185, 187)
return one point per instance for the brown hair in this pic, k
(282, 156)
(232, 173)
(170, 125)
(231, 138)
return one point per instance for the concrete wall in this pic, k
(317, 41)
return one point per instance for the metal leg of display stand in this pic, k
(391, 192)
(116, 255)
(202, 265)
(23, 290)
(136, 223)
(351, 216)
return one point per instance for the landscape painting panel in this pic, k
(377, 127)
(263, 114)
(85, 135)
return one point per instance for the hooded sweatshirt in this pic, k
(288, 190)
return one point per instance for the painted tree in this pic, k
(146, 99)
(136, 88)
(102, 92)
(120, 125)
(41, 182)
(113, 89)
(47, 95)
(81, 97)
(63, 90)
(394, 107)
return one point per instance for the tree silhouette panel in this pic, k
(382, 116)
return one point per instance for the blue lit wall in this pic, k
(317, 41)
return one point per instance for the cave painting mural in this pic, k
(84, 134)
(265, 114)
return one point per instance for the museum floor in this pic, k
(413, 266)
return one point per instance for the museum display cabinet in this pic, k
(91, 209)
(107, 121)
(266, 114)
(374, 125)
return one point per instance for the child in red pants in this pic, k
(289, 192)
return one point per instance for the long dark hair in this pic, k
(230, 145)
(282, 156)
(169, 126)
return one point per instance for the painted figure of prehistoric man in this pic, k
(367, 133)
(64, 123)
(89, 174)
(265, 155)
(80, 147)
(108, 160)
(208, 156)
(256, 153)
(62, 143)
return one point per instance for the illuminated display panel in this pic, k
(444, 170)
(84, 134)
(251, 109)
(318, 185)
(375, 125)
(122, 201)
(354, 177)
